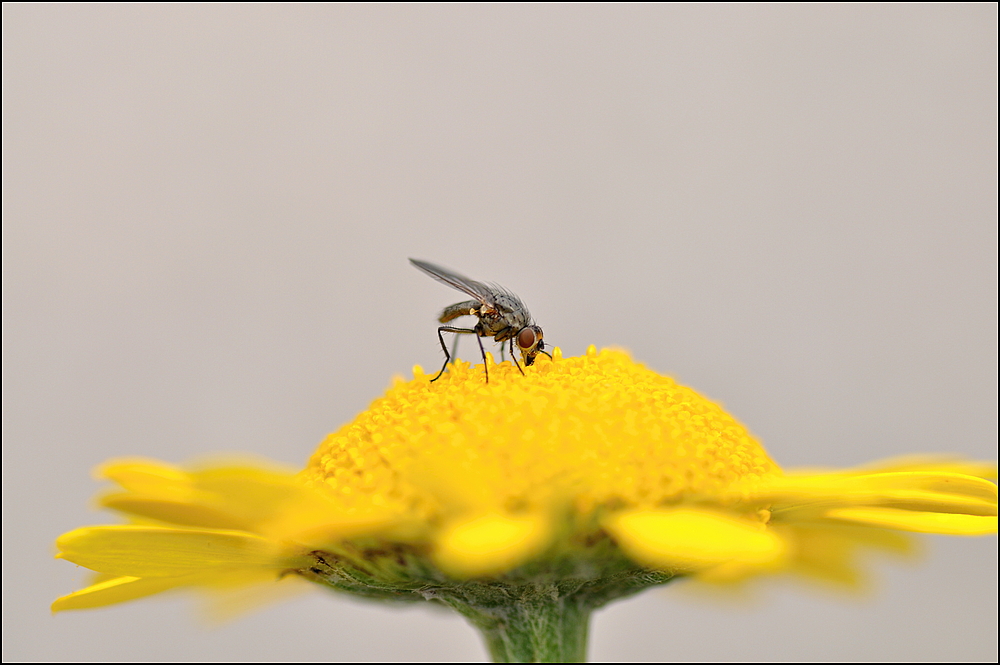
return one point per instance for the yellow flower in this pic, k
(544, 495)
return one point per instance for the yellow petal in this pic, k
(922, 522)
(690, 540)
(489, 544)
(241, 486)
(226, 596)
(237, 494)
(146, 476)
(935, 463)
(140, 551)
(911, 490)
(316, 530)
(313, 517)
(835, 553)
(247, 489)
(182, 513)
(117, 590)
(947, 483)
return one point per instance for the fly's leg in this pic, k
(513, 357)
(447, 356)
(483, 352)
(464, 308)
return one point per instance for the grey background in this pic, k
(207, 213)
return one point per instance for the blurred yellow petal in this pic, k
(833, 553)
(264, 499)
(248, 491)
(489, 544)
(312, 532)
(933, 482)
(935, 463)
(232, 491)
(690, 540)
(146, 476)
(117, 590)
(183, 513)
(907, 520)
(311, 517)
(141, 551)
(228, 596)
(795, 496)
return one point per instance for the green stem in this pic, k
(540, 633)
(535, 615)
(539, 625)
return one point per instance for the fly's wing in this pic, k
(477, 290)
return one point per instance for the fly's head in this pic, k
(529, 340)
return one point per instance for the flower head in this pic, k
(587, 479)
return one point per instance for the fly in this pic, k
(501, 315)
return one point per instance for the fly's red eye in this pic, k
(526, 338)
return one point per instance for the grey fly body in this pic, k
(501, 315)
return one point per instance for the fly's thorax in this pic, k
(515, 318)
(499, 324)
(511, 305)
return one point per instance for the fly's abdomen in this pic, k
(465, 308)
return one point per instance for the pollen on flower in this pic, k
(624, 435)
